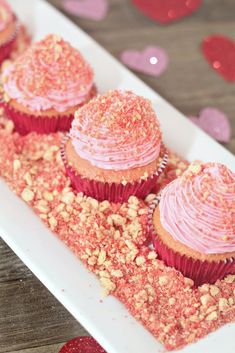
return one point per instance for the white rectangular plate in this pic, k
(47, 257)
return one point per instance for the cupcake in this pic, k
(193, 223)
(8, 30)
(45, 85)
(114, 148)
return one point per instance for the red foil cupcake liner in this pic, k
(7, 46)
(26, 123)
(199, 271)
(112, 192)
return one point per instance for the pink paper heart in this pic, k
(152, 60)
(215, 123)
(92, 9)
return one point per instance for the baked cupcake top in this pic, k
(198, 208)
(117, 131)
(51, 74)
(6, 15)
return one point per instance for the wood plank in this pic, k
(54, 348)
(29, 315)
(11, 268)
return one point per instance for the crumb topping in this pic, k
(49, 74)
(111, 240)
(117, 131)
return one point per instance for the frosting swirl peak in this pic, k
(117, 131)
(198, 208)
(51, 74)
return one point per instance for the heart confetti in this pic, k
(152, 60)
(165, 11)
(91, 9)
(220, 53)
(215, 123)
(82, 344)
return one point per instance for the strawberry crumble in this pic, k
(111, 240)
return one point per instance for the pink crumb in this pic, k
(111, 240)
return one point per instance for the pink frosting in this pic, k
(50, 74)
(6, 14)
(198, 209)
(117, 131)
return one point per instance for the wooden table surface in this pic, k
(31, 319)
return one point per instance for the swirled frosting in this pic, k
(50, 74)
(117, 131)
(6, 14)
(198, 208)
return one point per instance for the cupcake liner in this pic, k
(6, 47)
(199, 271)
(25, 123)
(112, 192)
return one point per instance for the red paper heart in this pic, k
(220, 53)
(165, 11)
(215, 123)
(82, 345)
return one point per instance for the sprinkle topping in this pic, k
(50, 74)
(6, 14)
(117, 131)
(112, 241)
(198, 208)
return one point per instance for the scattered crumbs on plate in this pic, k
(112, 241)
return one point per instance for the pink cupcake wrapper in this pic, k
(6, 47)
(199, 271)
(25, 123)
(112, 192)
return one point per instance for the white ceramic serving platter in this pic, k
(48, 258)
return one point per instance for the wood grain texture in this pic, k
(53, 348)
(29, 315)
(31, 319)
